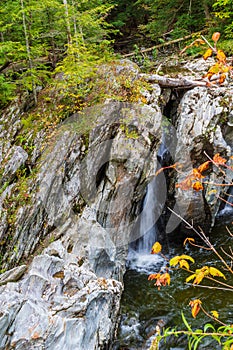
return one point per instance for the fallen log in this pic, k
(166, 43)
(4, 66)
(178, 83)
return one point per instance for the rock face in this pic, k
(59, 304)
(86, 197)
(71, 204)
(200, 125)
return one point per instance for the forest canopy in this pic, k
(38, 35)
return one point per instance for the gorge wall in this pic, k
(71, 203)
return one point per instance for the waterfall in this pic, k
(147, 221)
(140, 257)
(226, 209)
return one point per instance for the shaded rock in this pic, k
(200, 115)
(16, 158)
(13, 274)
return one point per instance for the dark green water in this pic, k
(143, 306)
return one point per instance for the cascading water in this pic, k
(226, 210)
(139, 257)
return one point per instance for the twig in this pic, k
(206, 240)
(207, 42)
(208, 287)
(213, 318)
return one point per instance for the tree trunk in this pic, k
(206, 10)
(68, 30)
(28, 51)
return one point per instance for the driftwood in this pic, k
(166, 43)
(176, 83)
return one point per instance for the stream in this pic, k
(144, 307)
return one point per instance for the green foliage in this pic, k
(7, 89)
(220, 336)
(224, 11)
(36, 34)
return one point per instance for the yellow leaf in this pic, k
(184, 263)
(156, 248)
(215, 69)
(215, 313)
(199, 278)
(207, 54)
(221, 56)
(165, 279)
(189, 240)
(190, 277)
(196, 306)
(216, 273)
(187, 257)
(174, 261)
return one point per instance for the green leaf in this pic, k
(197, 342)
(209, 326)
(186, 322)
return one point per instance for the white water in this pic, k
(228, 208)
(141, 259)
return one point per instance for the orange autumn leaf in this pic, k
(196, 173)
(196, 306)
(153, 276)
(186, 184)
(156, 248)
(161, 280)
(165, 279)
(203, 166)
(218, 159)
(222, 78)
(207, 54)
(197, 186)
(189, 240)
(221, 56)
(173, 166)
(216, 36)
